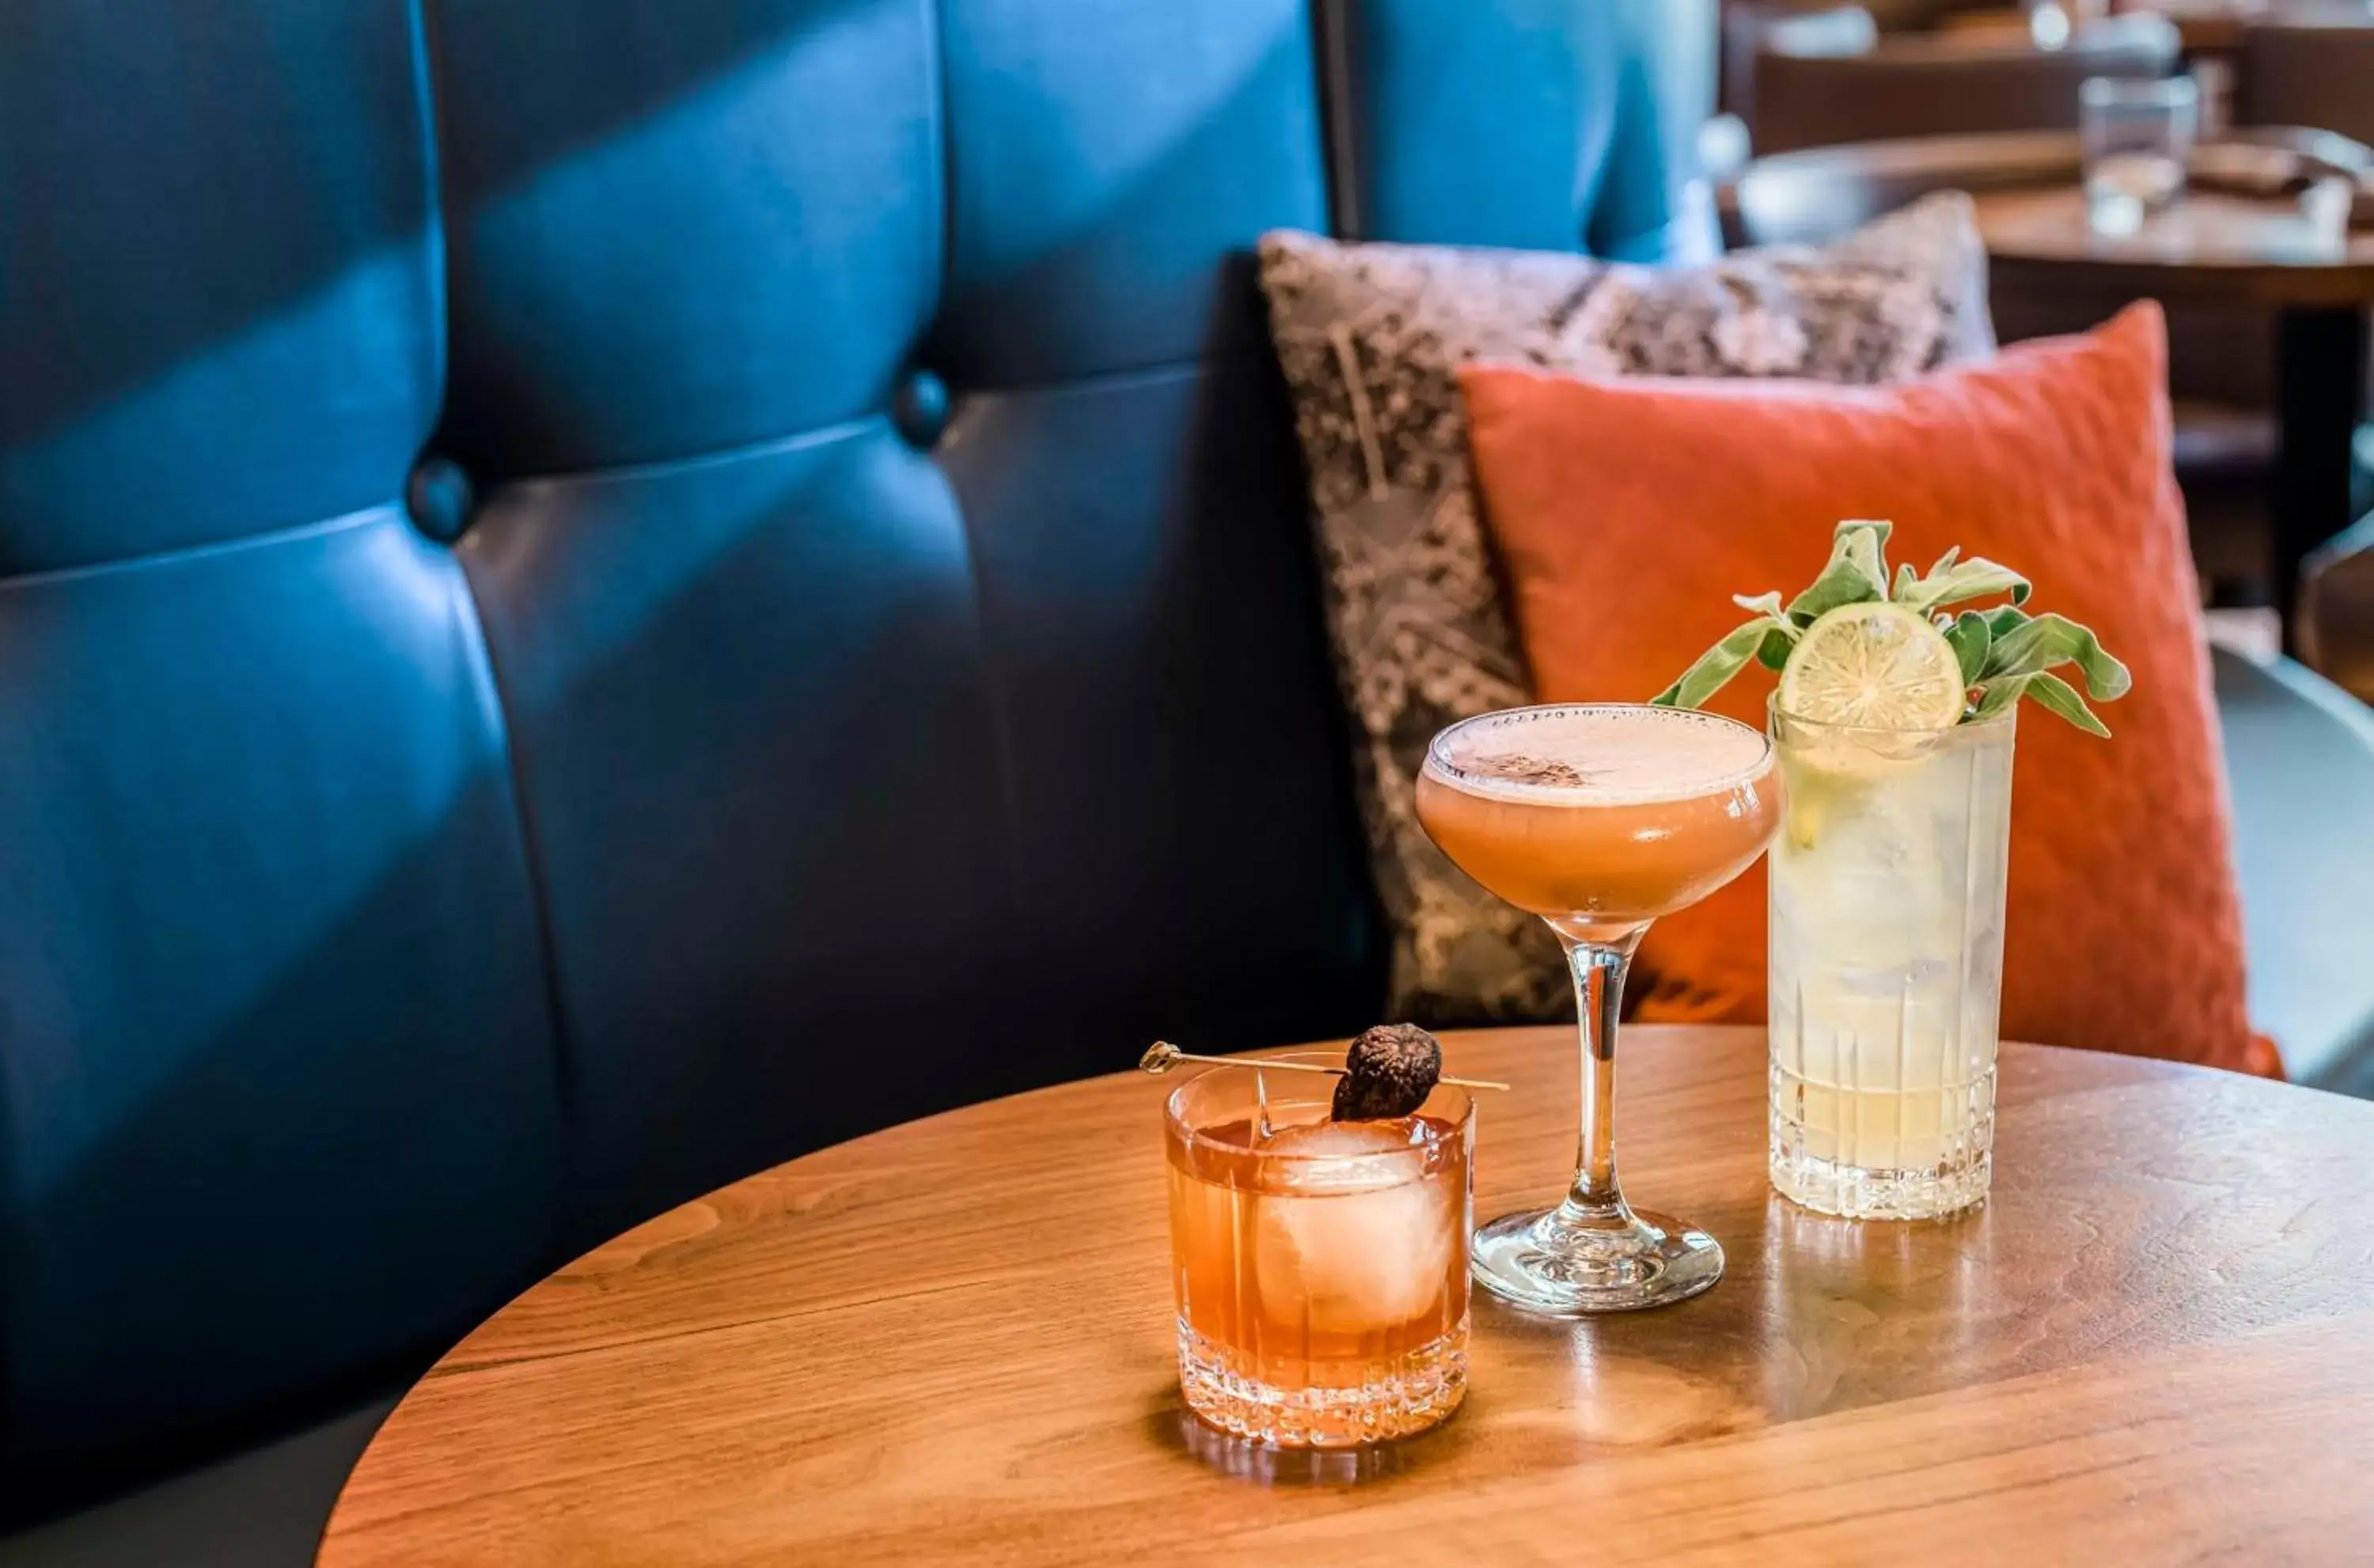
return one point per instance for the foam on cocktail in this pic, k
(1599, 756)
(1598, 818)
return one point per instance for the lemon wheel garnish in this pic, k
(1875, 666)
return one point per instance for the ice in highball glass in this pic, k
(1886, 955)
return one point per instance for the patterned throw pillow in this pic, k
(1371, 337)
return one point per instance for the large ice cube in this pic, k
(1338, 1156)
(1359, 1244)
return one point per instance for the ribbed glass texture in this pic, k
(1886, 965)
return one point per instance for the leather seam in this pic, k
(714, 456)
(1332, 25)
(1157, 373)
(391, 510)
(559, 1039)
(565, 1187)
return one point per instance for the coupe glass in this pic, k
(1599, 818)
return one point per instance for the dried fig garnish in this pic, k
(1388, 1073)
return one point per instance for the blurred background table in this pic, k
(2267, 313)
(1800, 75)
(2218, 249)
(952, 1341)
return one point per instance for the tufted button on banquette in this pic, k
(919, 410)
(438, 498)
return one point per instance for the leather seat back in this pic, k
(592, 596)
(279, 1097)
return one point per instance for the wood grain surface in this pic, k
(951, 1342)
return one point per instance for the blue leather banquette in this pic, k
(595, 594)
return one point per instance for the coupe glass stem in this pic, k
(1599, 969)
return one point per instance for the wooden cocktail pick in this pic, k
(1163, 1056)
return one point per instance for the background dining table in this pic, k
(952, 1340)
(2292, 251)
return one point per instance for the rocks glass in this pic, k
(1320, 1267)
(2137, 137)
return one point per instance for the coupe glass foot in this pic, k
(1569, 1264)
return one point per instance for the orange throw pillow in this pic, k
(1629, 511)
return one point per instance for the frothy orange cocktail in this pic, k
(1599, 818)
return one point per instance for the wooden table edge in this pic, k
(2117, 1071)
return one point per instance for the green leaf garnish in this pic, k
(1769, 606)
(1714, 669)
(2051, 693)
(1952, 583)
(2046, 642)
(2004, 653)
(1969, 638)
(1998, 695)
(1857, 572)
(2057, 696)
(1782, 633)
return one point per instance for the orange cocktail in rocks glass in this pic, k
(1320, 1266)
(1599, 818)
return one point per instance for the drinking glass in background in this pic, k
(1886, 955)
(2213, 87)
(2137, 137)
(1320, 1267)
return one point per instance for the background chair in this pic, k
(2314, 65)
(2336, 610)
(1826, 27)
(1945, 84)
(2310, 65)
(1749, 29)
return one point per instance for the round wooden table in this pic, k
(2214, 246)
(951, 1342)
